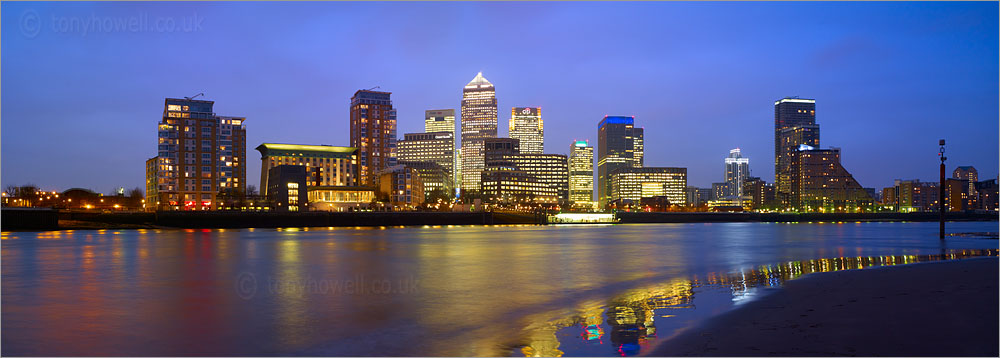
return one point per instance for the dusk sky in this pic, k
(80, 106)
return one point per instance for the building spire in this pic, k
(479, 81)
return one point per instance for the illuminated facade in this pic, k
(439, 120)
(434, 147)
(507, 186)
(479, 122)
(401, 186)
(791, 112)
(619, 145)
(373, 132)
(581, 172)
(969, 175)
(757, 194)
(287, 188)
(340, 198)
(633, 184)
(820, 183)
(737, 171)
(434, 178)
(199, 155)
(791, 139)
(325, 164)
(526, 125)
(550, 169)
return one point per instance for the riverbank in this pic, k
(929, 309)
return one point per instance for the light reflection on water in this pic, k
(504, 290)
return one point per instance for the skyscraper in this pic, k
(479, 122)
(199, 155)
(792, 112)
(616, 148)
(737, 171)
(434, 147)
(581, 172)
(373, 132)
(526, 125)
(439, 120)
(820, 183)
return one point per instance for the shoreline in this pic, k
(943, 308)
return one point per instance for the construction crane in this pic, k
(376, 87)
(193, 97)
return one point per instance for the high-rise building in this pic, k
(820, 183)
(479, 122)
(791, 112)
(433, 147)
(629, 185)
(526, 126)
(550, 169)
(199, 155)
(439, 120)
(326, 165)
(617, 147)
(737, 171)
(581, 172)
(373, 132)
(970, 176)
(757, 194)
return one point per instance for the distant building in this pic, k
(533, 175)
(549, 169)
(401, 186)
(794, 124)
(436, 180)
(581, 173)
(340, 198)
(287, 188)
(758, 195)
(719, 191)
(526, 125)
(737, 171)
(633, 184)
(987, 190)
(910, 196)
(970, 176)
(439, 120)
(373, 132)
(698, 196)
(820, 183)
(434, 147)
(619, 145)
(200, 154)
(479, 122)
(325, 165)
(512, 186)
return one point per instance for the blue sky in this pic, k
(80, 104)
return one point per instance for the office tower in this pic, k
(629, 185)
(550, 169)
(510, 177)
(199, 155)
(737, 171)
(526, 126)
(401, 186)
(479, 122)
(373, 132)
(439, 120)
(791, 112)
(326, 165)
(434, 147)
(497, 152)
(638, 148)
(616, 148)
(820, 183)
(757, 194)
(581, 172)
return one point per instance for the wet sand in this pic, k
(929, 309)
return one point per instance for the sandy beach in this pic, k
(929, 309)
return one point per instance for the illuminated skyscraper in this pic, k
(792, 112)
(581, 172)
(439, 120)
(479, 122)
(526, 125)
(737, 171)
(373, 132)
(199, 155)
(820, 183)
(617, 147)
(434, 147)
(629, 185)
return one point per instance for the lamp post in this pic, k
(941, 191)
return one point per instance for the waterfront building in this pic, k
(698, 196)
(199, 155)
(497, 152)
(373, 133)
(526, 125)
(401, 186)
(433, 147)
(436, 180)
(510, 186)
(987, 190)
(719, 191)
(479, 122)
(758, 194)
(790, 112)
(550, 169)
(970, 176)
(629, 185)
(581, 173)
(911, 196)
(737, 171)
(619, 145)
(287, 188)
(340, 198)
(439, 120)
(325, 165)
(819, 182)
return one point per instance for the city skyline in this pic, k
(875, 121)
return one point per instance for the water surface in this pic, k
(456, 291)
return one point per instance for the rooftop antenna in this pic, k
(373, 88)
(193, 97)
